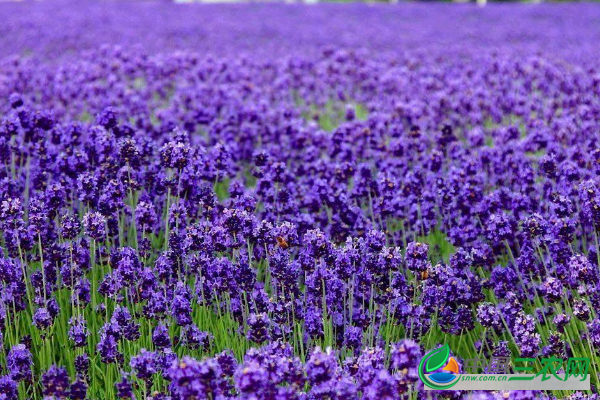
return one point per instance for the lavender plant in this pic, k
(195, 206)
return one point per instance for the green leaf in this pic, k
(437, 358)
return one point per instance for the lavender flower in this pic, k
(94, 225)
(144, 364)
(78, 332)
(197, 193)
(258, 325)
(56, 382)
(18, 362)
(160, 337)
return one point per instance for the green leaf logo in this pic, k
(438, 358)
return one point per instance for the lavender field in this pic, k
(286, 202)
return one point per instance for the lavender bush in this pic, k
(282, 202)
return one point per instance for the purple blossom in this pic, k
(94, 225)
(42, 318)
(55, 382)
(144, 364)
(18, 362)
(292, 193)
(160, 337)
(78, 331)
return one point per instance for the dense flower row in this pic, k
(183, 226)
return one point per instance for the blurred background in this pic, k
(480, 2)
